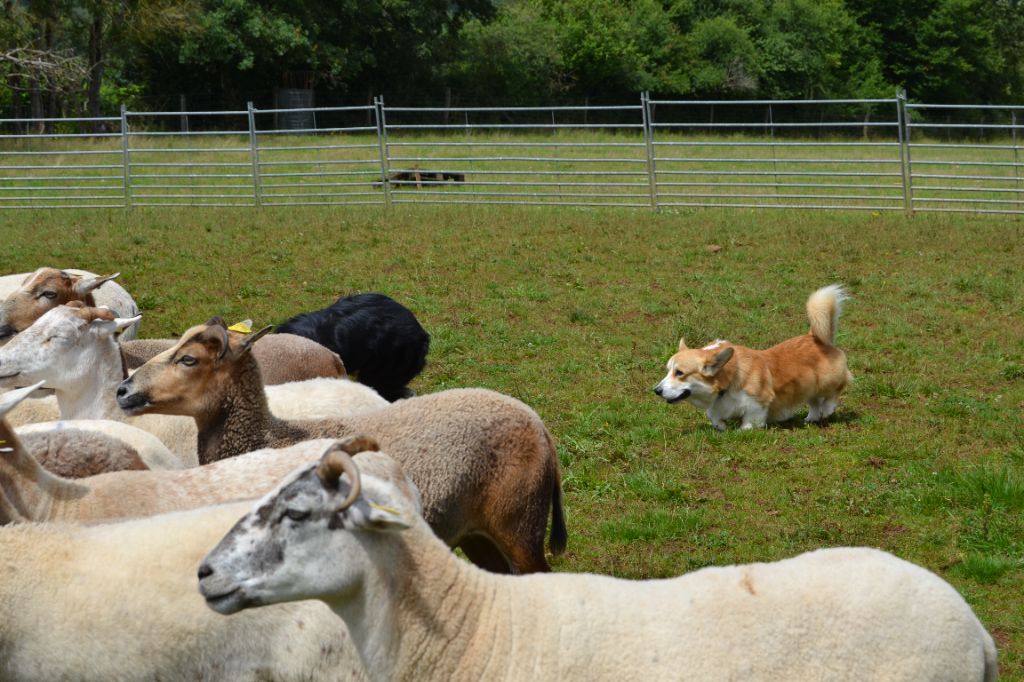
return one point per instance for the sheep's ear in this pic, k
(215, 336)
(250, 339)
(386, 519)
(114, 326)
(710, 369)
(682, 343)
(85, 285)
(367, 515)
(10, 400)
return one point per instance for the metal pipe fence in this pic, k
(873, 154)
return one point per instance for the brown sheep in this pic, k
(488, 455)
(282, 357)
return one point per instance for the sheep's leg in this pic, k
(521, 538)
(484, 553)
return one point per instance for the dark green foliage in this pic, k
(221, 53)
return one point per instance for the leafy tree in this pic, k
(724, 58)
(814, 49)
(514, 58)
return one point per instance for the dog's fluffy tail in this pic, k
(823, 308)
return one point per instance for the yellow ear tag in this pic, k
(245, 327)
(387, 509)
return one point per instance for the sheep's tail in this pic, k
(823, 309)
(559, 534)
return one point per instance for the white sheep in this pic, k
(73, 348)
(26, 296)
(417, 612)
(117, 603)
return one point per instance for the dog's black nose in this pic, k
(657, 390)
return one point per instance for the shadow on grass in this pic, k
(844, 416)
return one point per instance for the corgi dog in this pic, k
(759, 386)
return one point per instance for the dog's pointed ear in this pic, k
(682, 343)
(710, 369)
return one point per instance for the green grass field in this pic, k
(575, 311)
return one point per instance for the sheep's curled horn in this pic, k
(337, 460)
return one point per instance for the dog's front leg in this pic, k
(754, 419)
(716, 420)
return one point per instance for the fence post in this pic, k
(254, 154)
(126, 157)
(1016, 154)
(652, 178)
(382, 144)
(775, 162)
(903, 136)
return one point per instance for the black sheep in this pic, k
(379, 340)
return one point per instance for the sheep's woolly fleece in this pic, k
(118, 603)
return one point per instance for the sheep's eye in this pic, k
(48, 294)
(296, 514)
(188, 361)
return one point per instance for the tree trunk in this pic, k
(36, 103)
(14, 83)
(95, 67)
(51, 103)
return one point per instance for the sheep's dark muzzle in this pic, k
(128, 400)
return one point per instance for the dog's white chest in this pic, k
(735, 404)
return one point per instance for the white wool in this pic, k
(416, 611)
(322, 399)
(34, 410)
(118, 602)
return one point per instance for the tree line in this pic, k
(86, 57)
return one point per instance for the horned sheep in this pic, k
(25, 297)
(416, 612)
(117, 602)
(487, 450)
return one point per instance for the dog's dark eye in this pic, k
(680, 373)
